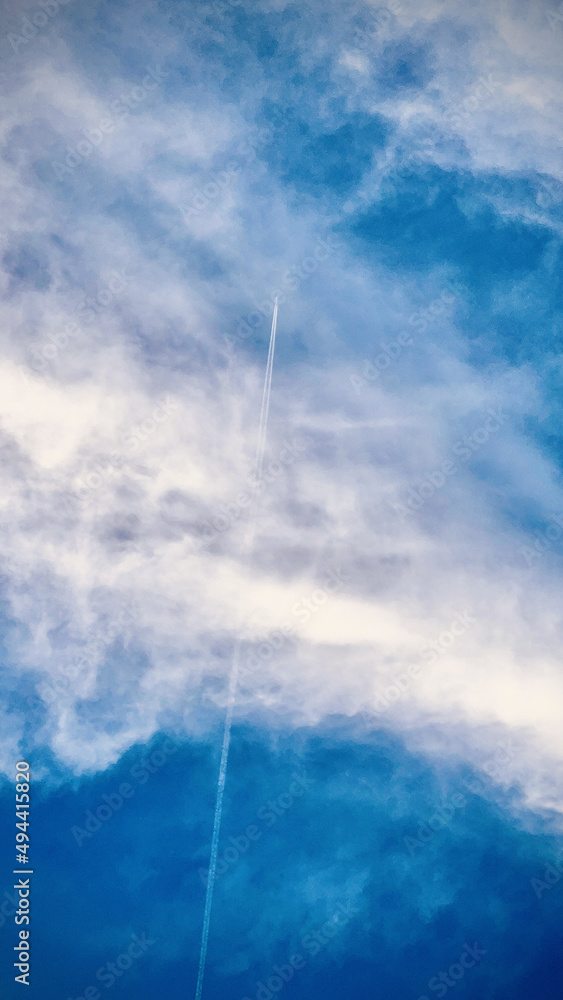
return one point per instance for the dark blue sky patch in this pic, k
(404, 66)
(342, 837)
(28, 267)
(330, 162)
(422, 223)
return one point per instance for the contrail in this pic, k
(233, 678)
(266, 395)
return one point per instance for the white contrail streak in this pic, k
(266, 395)
(233, 678)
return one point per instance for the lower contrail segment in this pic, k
(233, 678)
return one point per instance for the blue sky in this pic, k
(393, 175)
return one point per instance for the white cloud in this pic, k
(134, 537)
